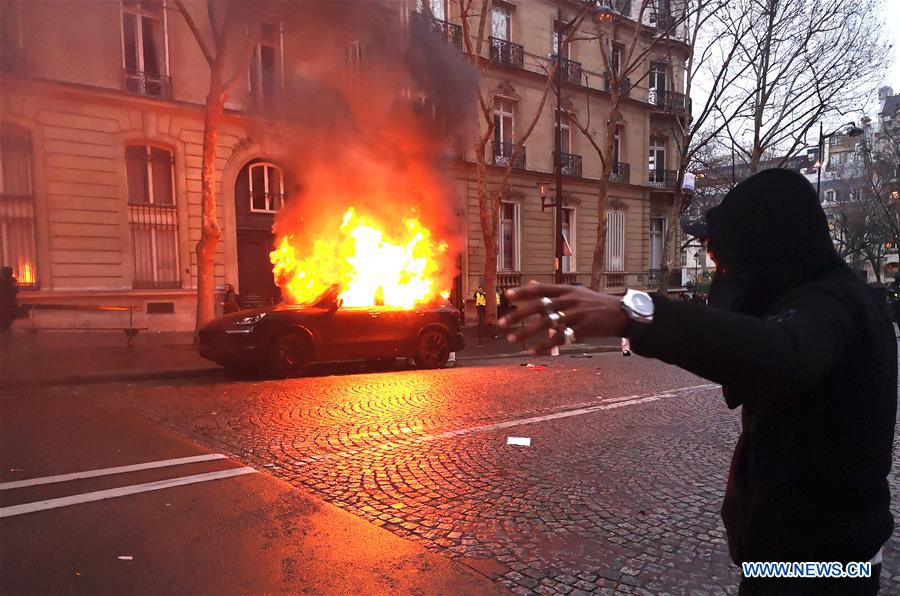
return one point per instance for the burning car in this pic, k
(284, 340)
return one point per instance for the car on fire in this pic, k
(285, 339)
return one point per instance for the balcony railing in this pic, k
(145, 84)
(620, 173)
(507, 53)
(569, 71)
(670, 101)
(449, 32)
(624, 85)
(663, 178)
(570, 164)
(508, 280)
(658, 20)
(503, 155)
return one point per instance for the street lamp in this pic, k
(852, 130)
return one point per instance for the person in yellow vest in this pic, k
(480, 304)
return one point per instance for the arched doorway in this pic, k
(258, 195)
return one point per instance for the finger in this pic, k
(534, 307)
(535, 326)
(535, 290)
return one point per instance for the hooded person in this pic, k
(801, 345)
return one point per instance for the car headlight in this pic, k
(251, 319)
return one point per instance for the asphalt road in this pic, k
(618, 492)
(95, 501)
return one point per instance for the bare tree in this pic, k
(710, 72)
(224, 24)
(805, 62)
(491, 185)
(624, 45)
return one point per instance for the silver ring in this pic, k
(569, 334)
(556, 317)
(547, 304)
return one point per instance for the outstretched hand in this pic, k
(586, 312)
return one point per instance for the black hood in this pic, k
(770, 235)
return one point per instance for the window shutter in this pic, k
(615, 241)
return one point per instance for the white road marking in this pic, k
(164, 463)
(120, 492)
(598, 405)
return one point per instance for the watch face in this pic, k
(642, 303)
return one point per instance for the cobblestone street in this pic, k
(618, 492)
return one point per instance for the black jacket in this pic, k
(806, 349)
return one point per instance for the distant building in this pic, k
(101, 136)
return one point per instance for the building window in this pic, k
(657, 239)
(657, 83)
(565, 132)
(501, 21)
(17, 246)
(615, 241)
(855, 194)
(504, 133)
(438, 8)
(657, 160)
(266, 64)
(830, 196)
(145, 55)
(568, 234)
(354, 61)
(266, 187)
(617, 146)
(153, 216)
(559, 34)
(508, 256)
(616, 58)
(11, 36)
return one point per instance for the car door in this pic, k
(345, 334)
(390, 331)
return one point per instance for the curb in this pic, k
(568, 351)
(138, 375)
(185, 373)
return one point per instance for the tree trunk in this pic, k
(210, 231)
(668, 248)
(597, 266)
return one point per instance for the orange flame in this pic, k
(371, 265)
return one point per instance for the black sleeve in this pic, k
(792, 349)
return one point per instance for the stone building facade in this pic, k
(101, 119)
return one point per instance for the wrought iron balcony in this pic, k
(663, 178)
(620, 173)
(449, 32)
(146, 84)
(624, 85)
(570, 164)
(670, 101)
(655, 275)
(660, 20)
(507, 53)
(503, 155)
(570, 71)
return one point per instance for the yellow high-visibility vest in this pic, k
(480, 299)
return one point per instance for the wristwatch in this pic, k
(638, 306)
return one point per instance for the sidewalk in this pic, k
(58, 357)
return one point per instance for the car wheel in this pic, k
(381, 363)
(433, 349)
(291, 355)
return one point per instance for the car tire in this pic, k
(432, 349)
(291, 355)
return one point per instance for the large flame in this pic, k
(371, 263)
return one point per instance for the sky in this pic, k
(891, 15)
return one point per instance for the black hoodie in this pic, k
(803, 345)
